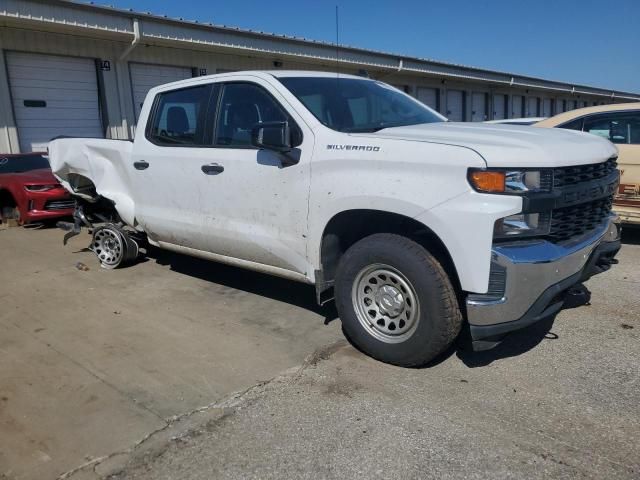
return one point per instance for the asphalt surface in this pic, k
(558, 400)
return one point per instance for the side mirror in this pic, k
(274, 136)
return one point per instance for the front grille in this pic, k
(569, 222)
(59, 204)
(567, 176)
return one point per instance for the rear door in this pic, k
(165, 166)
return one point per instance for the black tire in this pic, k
(439, 319)
(10, 213)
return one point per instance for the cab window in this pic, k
(179, 117)
(241, 107)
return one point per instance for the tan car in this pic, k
(620, 123)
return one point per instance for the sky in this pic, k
(587, 42)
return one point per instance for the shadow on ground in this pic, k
(303, 296)
(265, 285)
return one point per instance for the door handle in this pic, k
(212, 169)
(141, 165)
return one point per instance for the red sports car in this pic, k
(28, 190)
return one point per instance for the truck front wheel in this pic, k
(395, 300)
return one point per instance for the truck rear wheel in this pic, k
(113, 247)
(395, 300)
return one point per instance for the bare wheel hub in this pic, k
(385, 303)
(108, 246)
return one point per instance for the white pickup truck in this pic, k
(418, 227)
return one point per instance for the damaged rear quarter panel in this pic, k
(105, 162)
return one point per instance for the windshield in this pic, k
(22, 163)
(353, 105)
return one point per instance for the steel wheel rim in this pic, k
(385, 303)
(108, 246)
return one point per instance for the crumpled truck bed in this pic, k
(105, 162)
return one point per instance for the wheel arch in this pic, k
(349, 226)
(7, 198)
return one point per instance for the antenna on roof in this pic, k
(337, 45)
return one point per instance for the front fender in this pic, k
(465, 226)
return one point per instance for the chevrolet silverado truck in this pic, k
(416, 226)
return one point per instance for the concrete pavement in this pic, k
(183, 369)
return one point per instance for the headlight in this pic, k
(41, 188)
(510, 181)
(523, 225)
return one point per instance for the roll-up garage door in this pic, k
(478, 107)
(516, 106)
(499, 109)
(532, 107)
(455, 105)
(53, 95)
(145, 76)
(428, 96)
(546, 107)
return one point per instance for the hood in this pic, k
(511, 145)
(42, 175)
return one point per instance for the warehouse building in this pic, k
(77, 69)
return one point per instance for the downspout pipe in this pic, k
(134, 43)
(121, 82)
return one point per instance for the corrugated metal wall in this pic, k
(116, 89)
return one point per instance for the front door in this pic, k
(257, 205)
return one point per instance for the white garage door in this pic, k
(428, 96)
(532, 107)
(516, 106)
(478, 107)
(455, 105)
(498, 107)
(145, 76)
(546, 107)
(560, 105)
(53, 95)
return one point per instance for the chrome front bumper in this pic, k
(529, 278)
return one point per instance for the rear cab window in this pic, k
(179, 117)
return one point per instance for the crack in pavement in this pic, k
(231, 401)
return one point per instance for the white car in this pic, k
(517, 121)
(418, 226)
